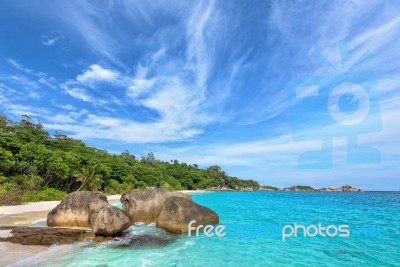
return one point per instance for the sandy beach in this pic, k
(30, 212)
(27, 214)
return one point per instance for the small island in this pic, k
(303, 188)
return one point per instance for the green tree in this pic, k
(6, 160)
(89, 178)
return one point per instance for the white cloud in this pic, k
(97, 73)
(140, 85)
(174, 89)
(110, 128)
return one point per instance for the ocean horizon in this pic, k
(253, 234)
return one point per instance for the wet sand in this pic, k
(11, 253)
(24, 218)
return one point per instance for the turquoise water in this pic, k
(254, 222)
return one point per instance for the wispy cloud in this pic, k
(32, 78)
(173, 88)
(204, 82)
(52, 38)
(79, 93)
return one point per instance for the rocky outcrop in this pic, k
(73, 210)
(299, 188)
(349, 188)
(171, 211)
(345, 188)
(88, 209)
(177, 212)
(106, 219)
(225, 188)
(330, 189)
(145, 206)
(45, 235)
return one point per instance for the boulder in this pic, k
(145, 206)
(107, 219)
(73, 210)
(177, 212)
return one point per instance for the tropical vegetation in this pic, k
(35, 165)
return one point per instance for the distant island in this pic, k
(296, 188)
(302, 188)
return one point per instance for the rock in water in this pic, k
(177, 212)
(107, 219)
(73, 211)
(145, 206)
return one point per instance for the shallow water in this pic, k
(254, 222)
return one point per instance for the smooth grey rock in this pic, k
(73, 210)
(107, 219)
(145, 206)
(177, 212)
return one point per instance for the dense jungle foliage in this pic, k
(35, 165)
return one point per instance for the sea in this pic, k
(257, 229)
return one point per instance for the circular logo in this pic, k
(348, 104)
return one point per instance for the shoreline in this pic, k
(32, 212)
(27, 214)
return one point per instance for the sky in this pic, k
(252, 86)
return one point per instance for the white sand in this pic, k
(29, 207)
(40, 206)
(26, 214)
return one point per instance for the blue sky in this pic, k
(214, 82)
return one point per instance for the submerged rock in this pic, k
(73, 211)
(107, 219)
(143, 240)
(177, 212)
(145, 206)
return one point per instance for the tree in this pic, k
(57, 168)
(30, 132)
(88, 177)
(32, 160)
(6, 160)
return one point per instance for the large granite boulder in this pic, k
(177, 212)
(145, 206)
(107, 219)
(73, 211)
